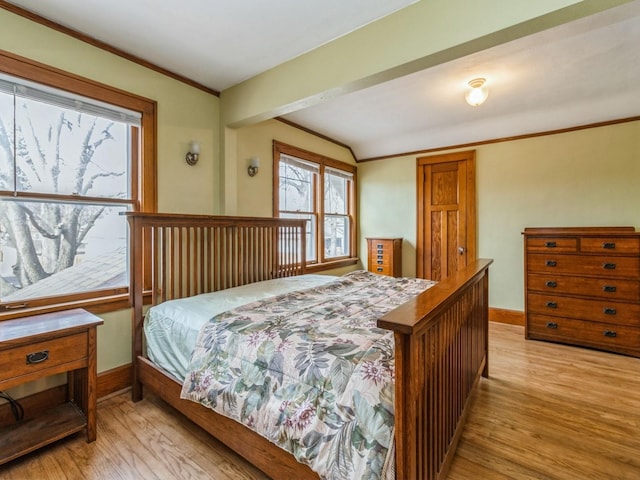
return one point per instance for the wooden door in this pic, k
(446, 214)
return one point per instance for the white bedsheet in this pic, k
(171, 328)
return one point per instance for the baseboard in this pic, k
(114, 380)
(111, 381)
(512, 317)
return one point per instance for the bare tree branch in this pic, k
(38, 224)
(89, 225)
(5, 144)
(89, 184)
(85, 157)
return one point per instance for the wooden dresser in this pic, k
(385, 256)
(582, 287)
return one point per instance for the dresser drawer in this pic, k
(379, 267)
(380, 257)
(382, 245)
(600, 266)
(36, 357)
(611, 288)
(552, 244)
(610, 246)
(605, 311)
(599, 335)
(382, 270)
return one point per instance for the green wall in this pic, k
(184, 113)
(582, 178)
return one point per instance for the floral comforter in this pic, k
(310, 371)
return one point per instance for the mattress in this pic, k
(171, 328)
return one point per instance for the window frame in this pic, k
(143, 173)
(321, 161)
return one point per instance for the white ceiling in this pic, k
(580, 73)
(217, 43)
(583, 72)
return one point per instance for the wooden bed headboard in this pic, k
(202, 253)
(186, 255)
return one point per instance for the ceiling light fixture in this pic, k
(478, 93)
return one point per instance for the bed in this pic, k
(440, 336)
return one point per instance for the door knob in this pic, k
(461, 250)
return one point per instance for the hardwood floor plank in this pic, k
(552, 412)
(226, 462)
(547, 412)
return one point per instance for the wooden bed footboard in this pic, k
(441, 340)
(441, 336)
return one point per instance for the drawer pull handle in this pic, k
(551, 263)
(37, 357)
(609, 245)
(551, 284)
(609, 288)
(380, 252)
(609, 311)
(380, 257)
(609, 266)
(380, 245)
(552, 325)
(552, 305)
(379, 262)
(609, 333)
(379, 269)
(550, 244)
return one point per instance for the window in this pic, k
(321, 191)
(70, 162)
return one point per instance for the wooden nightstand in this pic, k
(39, 346)
(385, 256)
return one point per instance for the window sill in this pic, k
(96, 305)
(319, 267)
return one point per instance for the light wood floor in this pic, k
(547, 412)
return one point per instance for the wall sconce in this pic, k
(478, 92)
(254, 164)
(193, 154)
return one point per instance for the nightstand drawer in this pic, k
(36, 357)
